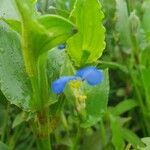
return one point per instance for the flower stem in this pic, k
(44, 144)
(103, 133)
(36, 70)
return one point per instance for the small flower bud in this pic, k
(134, 23)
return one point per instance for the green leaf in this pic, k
(63, 7)
(14, 83)
(7, 9)
(3, 146)
(3, 115)
(146, 18)
(97, 100)
(145, 77)
(56, 59)
(117, 135)
(109, 9)
(41, 33)
(132, 138)
(20, 118)
(145, 57)
(124, 106)
(112, 65)
(58, 28)
(122, 25)
(3, 100)
(92, 142)
(14, 24)
(58, 65)
(88, 44)
(146, 141)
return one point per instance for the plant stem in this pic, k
(5, 124)
(44, 144)
(42, 80)
(135, 62)
(43, 114)
(36, 70)
(141, 104)
(103, 133)
(76, 139)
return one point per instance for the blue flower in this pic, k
(58, 86)
(91, 74)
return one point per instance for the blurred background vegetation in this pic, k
(127, 55)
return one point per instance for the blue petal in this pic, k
(58, 86)
(91, 74)
(62, 46)
(38, 6)
(82, 71)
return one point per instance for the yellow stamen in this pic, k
(76, 84)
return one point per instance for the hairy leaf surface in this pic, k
(13, 80)
(97, 100)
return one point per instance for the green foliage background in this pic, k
(117, 111)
